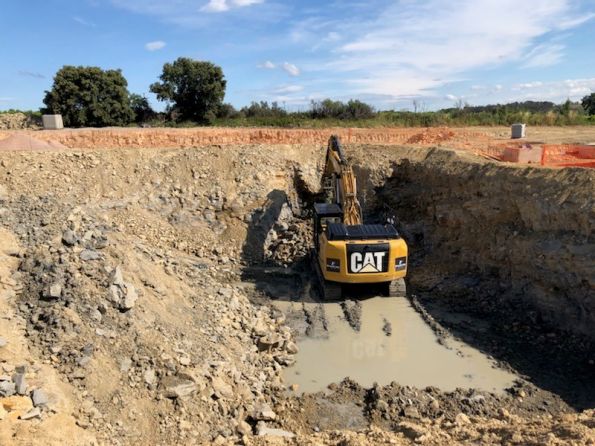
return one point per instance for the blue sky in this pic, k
(389, 53)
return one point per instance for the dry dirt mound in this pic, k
(11, 121)
(26, 142)
(432, 136)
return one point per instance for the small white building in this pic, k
(518, 131)
(52, 122)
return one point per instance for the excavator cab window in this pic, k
(324, 222)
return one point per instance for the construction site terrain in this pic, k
(155, 288)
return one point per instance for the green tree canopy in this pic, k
(194, 89)
(89, 97)
(589, 104)
(141, 108)
(354, 109)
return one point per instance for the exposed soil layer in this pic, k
(531, 229)
(143, 281)
(512, 246)
(476, 139)
(25, 142)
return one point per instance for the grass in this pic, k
(451, 118)
(410, 119)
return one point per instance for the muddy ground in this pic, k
(161, 296)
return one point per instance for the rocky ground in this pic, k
(135, 289)
(15, 121)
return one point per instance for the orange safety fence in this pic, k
(568, 155)
(553, 155)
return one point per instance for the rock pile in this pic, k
(18, 399)
(93, 300)
(289, 241)
(10, 121)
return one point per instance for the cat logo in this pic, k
(367, 262)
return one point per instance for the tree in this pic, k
(327, 109)
(194, 89)
(263, 109)
(227, 111)
(354, 109)
(588, 103)
(141, 108)
(357, 109)
(89, 97)
(565, 108)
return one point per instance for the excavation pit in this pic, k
(501, 258)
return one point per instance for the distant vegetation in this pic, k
(194, 92)
(358, 114)
(32, 114)
(89, 97)
(588, 104)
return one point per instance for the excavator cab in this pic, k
(347, 251)
(325, 214)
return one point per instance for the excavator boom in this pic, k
(340, 183)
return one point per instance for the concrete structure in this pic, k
(518, 131)
(52, 122)
(525, 154)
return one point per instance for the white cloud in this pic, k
(226, 5)
(291, 69)
(6, 99)
(84, 22)
(544, 56)
(241, 3)
(528, 85)
(155, 46)
(202, 14)
(267, 65)
(286, 89)
(216, 6)
(555, 91)
(415, 47)
(333, 36)
(573, 22)
(385, 48)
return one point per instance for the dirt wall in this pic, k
(526, 232)
(112, 138)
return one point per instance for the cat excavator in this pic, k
(347, 251)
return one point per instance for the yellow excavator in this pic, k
(347, 251)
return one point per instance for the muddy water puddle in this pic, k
(411, 355)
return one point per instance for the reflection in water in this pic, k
(410, 356)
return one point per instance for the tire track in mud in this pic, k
(352, 310)
(317, 322)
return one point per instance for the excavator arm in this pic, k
(340, 184)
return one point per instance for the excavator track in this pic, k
(397, 288)
(328, 290)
